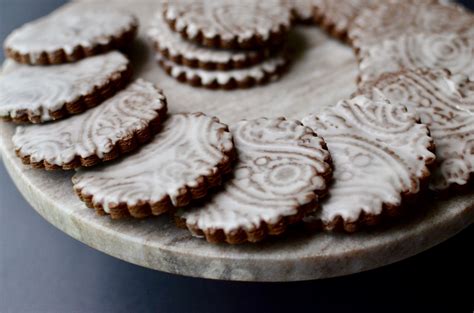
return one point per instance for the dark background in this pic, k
(44, 270)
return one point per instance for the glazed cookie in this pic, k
(445, 103)
(381, 156)
(119, 125)
(38, 94)
(229, 24)
(269, 70)
(390, 20)
(283, 169)
(181, 163)
(183, 52)
(71, 33)
(336, 16)
(449, 51)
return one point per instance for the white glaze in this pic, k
(449, 51)
(70, 27)
(160, 34)
(390, 20)
(189, 147)
(282, 166)
(229, 19)
(40, 90)
(446, 105)
(94, 132)
(268, 67)
(379, 151)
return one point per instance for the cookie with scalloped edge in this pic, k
(283, 170)
(451, 51)
(118, 126)
(37, 94)
(183, 52)
(445, 103)
(229, 24)
(186, 159)
(269, 70)
(389, 20)
(381, 156)
(71, 33)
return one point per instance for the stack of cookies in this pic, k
(221, 44)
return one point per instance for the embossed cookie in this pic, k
(117, 126)
(449, 51)
(269, 70)
(381, 156)
(336, 16)
(390, 20)
(71, 33)
(183, 52)
(282, 172)
(445, 103)
(182, 162)
(229, 24)
(42, 93)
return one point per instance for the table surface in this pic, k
(42, 270)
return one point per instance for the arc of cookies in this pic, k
(183, 161)
(282, 171)
(381, 157)
(117, 126)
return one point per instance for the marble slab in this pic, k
(322, 73)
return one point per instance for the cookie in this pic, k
(449, 51)
(38, 94)
(381, 157)
(229, 24)
(70, 34)
(183, 161)
(117, 126)
(269, 70)
(303, 10)
(183, 52)
(336, 16)
(445, 103)
(390, 20)
(282, 171)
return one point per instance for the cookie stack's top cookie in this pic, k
(221, 44)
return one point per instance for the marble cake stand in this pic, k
(323, 72)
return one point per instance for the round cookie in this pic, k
(183, 161)
(229, 24)
(336, 16)
(183, 52)
(38, 94)
(445, 103)
(390, 20)
(269, 70)
(71, 33)
(449, 51)
(381, 156)
(117, 126)
(282, 171)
